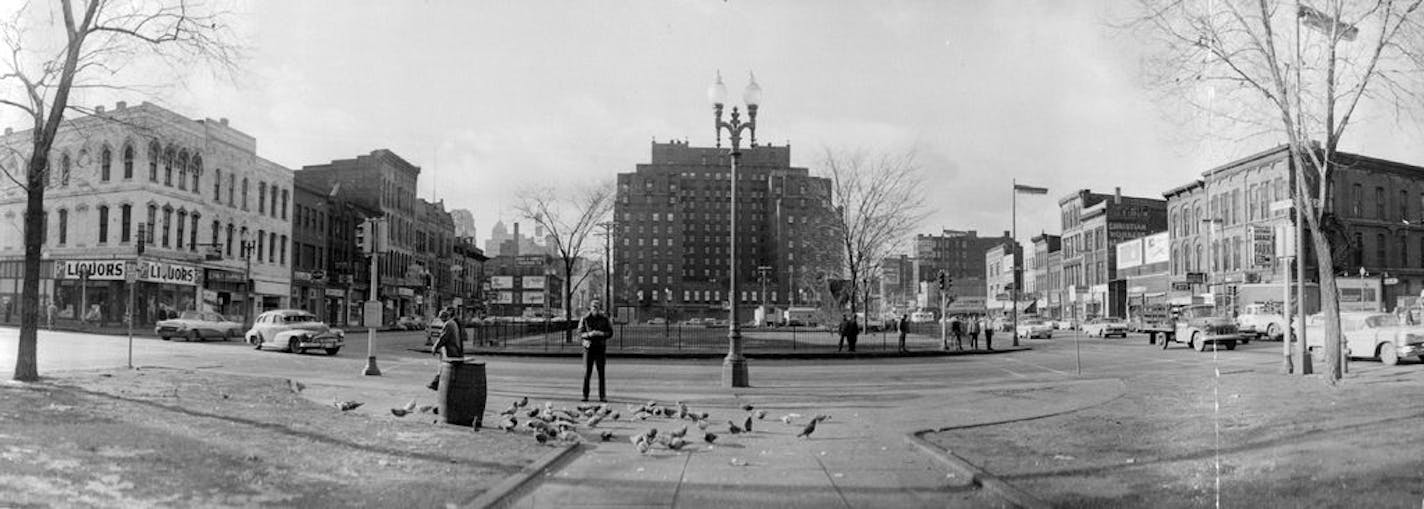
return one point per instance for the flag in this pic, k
(1020, 188)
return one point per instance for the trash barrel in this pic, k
(462, 392)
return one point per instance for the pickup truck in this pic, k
(1258, 321)
(1156, 320)
(1200, 325)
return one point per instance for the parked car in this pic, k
(410, 323)
(1104, 327)
(658, 321)
(198, 325)
(1259, 322)
(693, 322)
(294, 331)
(1370, 335)
(1199, 325)
(1034, 328)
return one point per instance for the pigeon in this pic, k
(428, 409)
(399, 412)
(652, 433)
(606, 436)
(680, 432)
(748, 424)
(821, 417)
(593, 421)
(705, 415)
(732, 426)
(615, 416)
(533, 412)
(541, 437)
(676, 443)
(637, 439)
(748, 407)
(346, 405)
(508, 424)
(710, 437)
(786, 419)
(643, 447)
(760, 414)
(702, 425)
(643, 416)
(523, 402)
(509, 411)
(808, 430)
(681, 410)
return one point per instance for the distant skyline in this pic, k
(487, 97)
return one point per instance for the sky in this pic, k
(491, 96)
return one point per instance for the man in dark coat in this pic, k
(450, 345)
(595, 329)
(852, 333)
(903, 327)
(841, 329)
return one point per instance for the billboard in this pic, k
(1263, 246)
(532, 282)
(1154, 249)
(501, 282)
(532, 298)
(503, 297)
(1129, 254)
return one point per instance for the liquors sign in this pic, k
(98, 270)
(171, 273)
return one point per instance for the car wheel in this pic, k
(1196, 344)
(332, 351)
(194, 336)
(1166, 338)
(1387, 354)
(292, 346)
(1273, 332)
(1230, 345)
(256, 342)
(165, 338)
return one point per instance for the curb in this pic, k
(754, 356)
(977, 476)
(505, 493)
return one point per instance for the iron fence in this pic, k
(672, 338)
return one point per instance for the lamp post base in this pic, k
(734, 372)
(371, 369)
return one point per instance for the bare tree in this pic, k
(877, 201)
(57, 49)
(1287, 69)
(570, 214)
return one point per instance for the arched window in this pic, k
(193, 231)
(182, 222)
(128, 161)
(63, 226)
(244, 193)
(64, 166)
(125, 217)
(167, 225)
(154, 154)
(261, 197)
(103, 223)
(168, 167)
(261, 239)
(106, 158)
(229, 240)
(217, 185)
(231, 187)
(217, 227)
(197, 170)
(183, 170)
(285, 197)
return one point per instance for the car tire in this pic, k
(256, 342)
(1272, 332)
(165, 338)
(1231, 345)
(1388, 355)
(1166, 338)
(193, 335)
(332, 351)
(292, 346)
(1196, 344)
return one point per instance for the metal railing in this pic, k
(684, 338)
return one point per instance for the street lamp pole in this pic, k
(734, 368)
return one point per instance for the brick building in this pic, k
(1093, 225)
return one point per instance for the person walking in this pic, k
(841, 330)
(988, 326)
(957, 329)
(903, 327)
(852, 333)
(974, 332)
(449, 346)
(595, 329)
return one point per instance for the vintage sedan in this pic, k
(1034, 328)
(294, 330)
(1371, 335)
(1104, 327)
(197, 325)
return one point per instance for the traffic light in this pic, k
(363, 237)
(942, 280)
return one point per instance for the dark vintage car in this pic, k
(1203, 327)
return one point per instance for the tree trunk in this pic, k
(568, 303)
(1325, 270)
(26, 363)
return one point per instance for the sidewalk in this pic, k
(859, 458)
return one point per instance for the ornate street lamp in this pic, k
(734, 368)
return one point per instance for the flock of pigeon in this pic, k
(547, 423)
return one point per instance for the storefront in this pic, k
(309, 294)
(97, 291)
(227, 291)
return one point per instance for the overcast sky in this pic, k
(487, 96)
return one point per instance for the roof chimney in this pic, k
(1117, 195)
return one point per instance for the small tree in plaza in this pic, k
(1292, 70)
(569, 214)
(877, 201)
(56, 49)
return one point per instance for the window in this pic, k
(183, 170)
(228, 249)
(106, 159)
(125, 215)
(1404, 208)
(244, 193)
(103, 224)
(272, 209)
(153, 155)
(261, 197)
(63, 226)
(272, 247)
(285, 196)
(167, 225)
(1358, 195)
(182, 221)
(1359, 246)
(261, 238)
(197, 171)
(152, 218)
(1379, 250)
(1404, 253)
(168, 167)
(193, 232)
(1236, 253)
(128, 161)
(64, 167)
(231, 185)
(1379, 203)
(217, 185)
(217, 228)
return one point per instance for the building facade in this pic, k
(198, 190)
(671, 251)
(311, 212)
(529, 286)
(1001, 280)
(1093, 225)
(1039, 285)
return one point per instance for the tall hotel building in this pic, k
(670, 250)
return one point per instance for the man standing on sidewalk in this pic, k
(451, 343)
(903, 327)
(595, 329)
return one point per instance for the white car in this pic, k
(1104, 327)
(294, 330)
(1371, 335)
(198, 325)
(1034, 328)
(1259, 322)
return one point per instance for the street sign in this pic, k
(1196, 277)
(1391, 281)
(371, 314)
(1263, 240)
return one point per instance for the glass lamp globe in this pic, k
(752, 95)
(717, 92)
